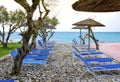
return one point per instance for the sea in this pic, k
(69, 36)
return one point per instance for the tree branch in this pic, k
(42, 18)
(40, 12)
(24, 4)
(46, 10)
(51, 34)
(35, 4)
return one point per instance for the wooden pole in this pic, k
(88, 38)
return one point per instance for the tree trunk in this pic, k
(97, 45)
(4, 45)
(51, 34)
(83, 40)
(5, 41)
(33, 44)
(32, 29)
(21, 53)
(96, 42)
(94, 39)
(44, 41)
(8, 36)
(44, 37)
(23, 50)
(17, 64)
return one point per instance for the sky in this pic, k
(67, 16)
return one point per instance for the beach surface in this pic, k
(110, 49)
(62, 66)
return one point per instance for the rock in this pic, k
(62, 66)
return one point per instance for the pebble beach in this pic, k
(62, 66)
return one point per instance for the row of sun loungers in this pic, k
(46, 45)
(76, 43)
(96, 62)
(9, 81)
(36, 55)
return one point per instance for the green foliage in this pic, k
(4, 16)
(5, 51)
(50, 21)
(17, 15)
(54, 21)
(13, 19)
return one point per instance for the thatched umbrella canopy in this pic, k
(97, 5)
(89, 23)
(45, 26)
(80, 27)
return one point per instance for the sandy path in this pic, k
(111, 49)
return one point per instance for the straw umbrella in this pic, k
(45, 26)
(80, 27)
(97, 5)
(89, 23)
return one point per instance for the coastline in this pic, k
(68, 36)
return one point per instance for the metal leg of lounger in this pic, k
(16, 81)
(99, 77)
(83, 74)
(95, 77)
(28, 80)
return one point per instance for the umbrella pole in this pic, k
(80, 37)
(88, 38)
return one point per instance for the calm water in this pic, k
(68, 36)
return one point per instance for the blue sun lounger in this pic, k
(37, 57)
(96, 60)
(47, 46)
(39, 51)
(78, 44)
(31, 56)
(106, 59)
(13, 53)
(31, 59)
(75, 42)
(92, 69)
(88, 52)
(9, 81)
(100, 59)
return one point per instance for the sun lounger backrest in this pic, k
(40, 43)
(13, 53)
(75, 42)
(86, 63)
(9, 81)
(76, 49)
